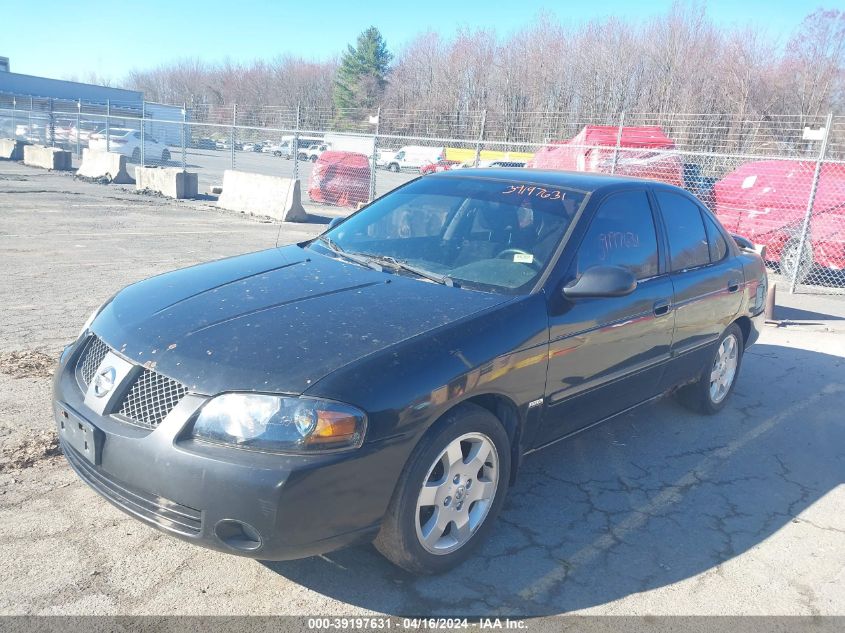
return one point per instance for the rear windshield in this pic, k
(485, 234)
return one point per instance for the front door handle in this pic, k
(661, 307)
(733, 285)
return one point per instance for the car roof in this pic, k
(584, 181)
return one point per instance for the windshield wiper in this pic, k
(358, 258)
(375, 262)
(419, 272)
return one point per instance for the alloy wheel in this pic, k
(457, 493)
(724, 368)
(792, 260)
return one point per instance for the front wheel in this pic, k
(394, 168)
(791, 260)
(710, 392)
(448, 497)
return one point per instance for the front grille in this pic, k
(151, 398)
(162, 512)
(93, 355)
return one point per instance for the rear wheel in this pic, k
(165, 156)
(449, 495)
(393, 167)
(710, 392)
(791, 259)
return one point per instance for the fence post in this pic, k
(232, 140)
(51, 123)
(373, 157)
(29, 122)
(480, 138)
(78, 122)
(143, 132)
(14, 123)
(618, 142)
(108, 125)
(811, 200)
(294, 148)
(184, 136)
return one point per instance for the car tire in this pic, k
(165, 156)
(394, 168)
(789, 260)
(431, 538)
(313, 159)
(136, 155)
(711, 391)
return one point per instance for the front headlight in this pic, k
(280, 424)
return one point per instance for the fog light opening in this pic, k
(238, 535)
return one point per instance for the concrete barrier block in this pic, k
(10, 149)
(169, 181)
(109, 166)
(277, 197)
(46, 157)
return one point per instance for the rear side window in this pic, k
(688, 245)
(621, 234)
(718, 246)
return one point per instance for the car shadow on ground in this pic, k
(648, 499)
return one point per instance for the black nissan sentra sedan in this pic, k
(385, 380)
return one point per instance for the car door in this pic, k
(607, 354)
(707, 282)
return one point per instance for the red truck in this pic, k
(644, 152)
(766, 201)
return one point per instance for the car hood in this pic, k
(276, 321)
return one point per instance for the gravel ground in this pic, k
(657, 512)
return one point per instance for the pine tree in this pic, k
(362, 74)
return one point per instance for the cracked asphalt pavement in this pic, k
(660, 511)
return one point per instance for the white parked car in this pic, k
(312, 153)
(128, 142)
(384, 157)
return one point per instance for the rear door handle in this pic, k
(661, 307)
(733, 285)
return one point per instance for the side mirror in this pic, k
(601, 281)
(334, 223)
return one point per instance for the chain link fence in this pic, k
(779, 180)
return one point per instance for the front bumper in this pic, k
(267, 506)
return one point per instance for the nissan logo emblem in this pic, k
(104, 381)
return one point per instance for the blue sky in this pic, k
(57, 38)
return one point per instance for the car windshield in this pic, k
(490, 235)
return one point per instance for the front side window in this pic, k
(489, 235)
(622, 233)
(688, 245)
